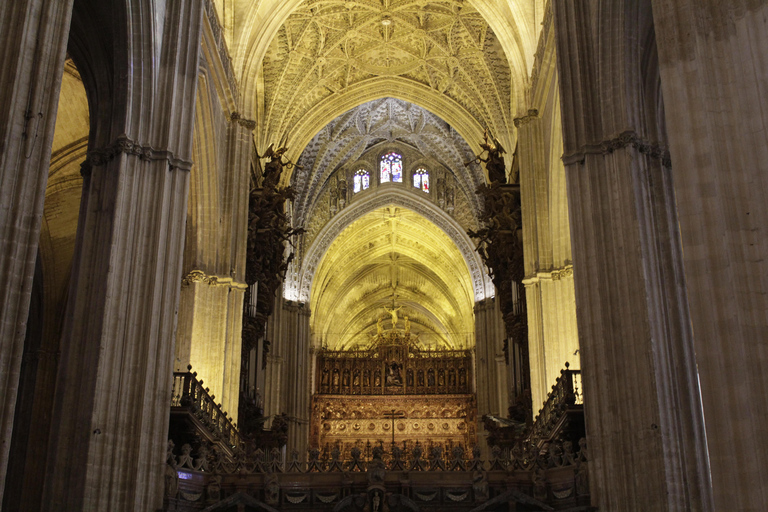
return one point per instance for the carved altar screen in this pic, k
(429, 392)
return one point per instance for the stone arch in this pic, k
(398, 88)
(509, 20)
(481, 283)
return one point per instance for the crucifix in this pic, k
(392, 415)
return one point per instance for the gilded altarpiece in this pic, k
(424, 395)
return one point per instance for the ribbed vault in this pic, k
(392, 253)
(348, 137)
(326, 48)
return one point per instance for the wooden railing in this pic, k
(189, 393)
(566, 393)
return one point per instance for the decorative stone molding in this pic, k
(123, 144)
(550, 275)
(248, 124)
(532, 114)
(198, 276)
(300, 307)
(623, 140)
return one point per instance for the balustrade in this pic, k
(189, 395)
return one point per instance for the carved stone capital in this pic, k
(530, 116)
(198, 276)
(623, 140)
(123, 144)
(553, 274)
(248, 124)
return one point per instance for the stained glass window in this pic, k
(362, 180)
(391, 168)
(421, 179)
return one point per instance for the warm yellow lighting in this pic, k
(392, 252)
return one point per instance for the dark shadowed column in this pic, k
(644, 422)
(714, 67)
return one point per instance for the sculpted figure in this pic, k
(274, 167)
(407, 325)
(494, 163)
(393, 314)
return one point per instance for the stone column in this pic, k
(209, 335)
(287, 385)
(211, 305)
(298, 385)
(113, 389)
(552, 332)
(273, 371)
(33, 43)
(641, 397)
(714, 75)
(491, 378)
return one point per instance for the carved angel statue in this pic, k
(274, 167)
(393, 314)
(379, 326)
(494, 163)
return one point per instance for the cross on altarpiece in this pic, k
(392, 415)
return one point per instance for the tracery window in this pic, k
(421, 179)
(391, 168)
(362, 180)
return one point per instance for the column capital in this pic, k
(248, 124)
(532, 115)
(628, 138)
(198, 276)
(124, 144)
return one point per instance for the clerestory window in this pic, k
(421, 179)
(362, 180)
(391, 168)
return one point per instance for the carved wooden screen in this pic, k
(356, 392)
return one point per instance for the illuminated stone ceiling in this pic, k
(392, 251)
(347, 137)
(327, 48)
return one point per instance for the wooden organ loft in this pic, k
(393, 392)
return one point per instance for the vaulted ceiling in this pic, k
(333, 80)
(326, 47)
(391, 253)
(345, 139)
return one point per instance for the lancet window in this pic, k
(362, 180)
(391, 168)
(421, 179)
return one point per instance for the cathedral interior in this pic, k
(384, 255)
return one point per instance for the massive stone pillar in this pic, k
(113, 388)
(287, 385)
(492, 377)
(714, 72)
(641, 396)
(33, 42)
(552, 333)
